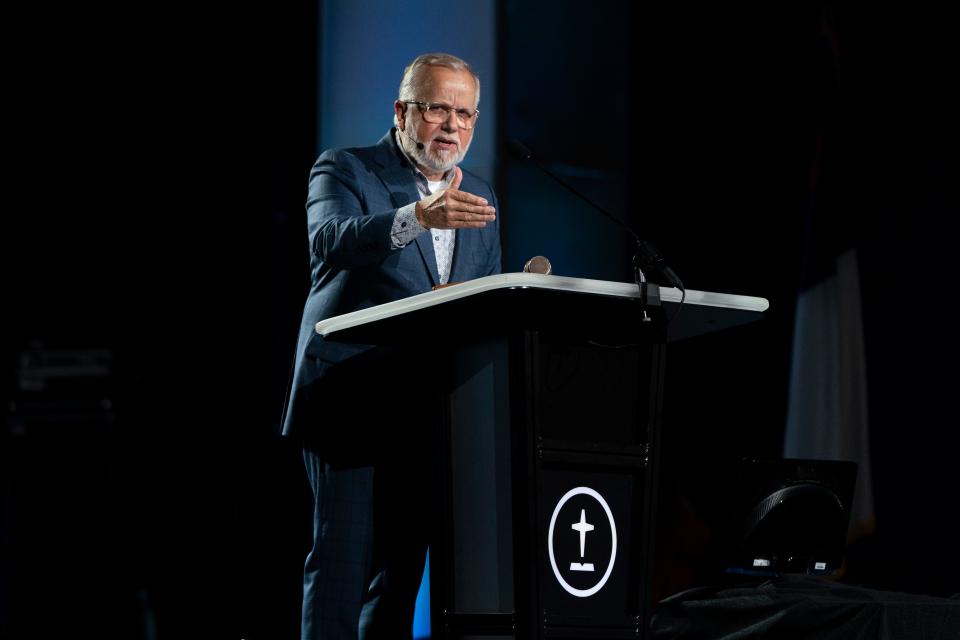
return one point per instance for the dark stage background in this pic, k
(156, 264)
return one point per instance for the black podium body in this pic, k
(546, 450)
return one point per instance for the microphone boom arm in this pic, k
(647, 256)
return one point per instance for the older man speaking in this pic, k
(385, 222)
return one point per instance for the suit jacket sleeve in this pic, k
(343, 232)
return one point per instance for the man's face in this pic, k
(446, 143)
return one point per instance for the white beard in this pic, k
(427, 158)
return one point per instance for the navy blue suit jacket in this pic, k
(353, 197)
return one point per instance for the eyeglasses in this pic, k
(438, 113)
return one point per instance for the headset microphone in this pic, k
(416, 142)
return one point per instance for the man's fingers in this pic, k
(471, 208)
(468, 224)
(459, 218)
(465, 216)
(463, 196)
(457, 177)
(463, 201)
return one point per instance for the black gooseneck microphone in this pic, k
(647, 257)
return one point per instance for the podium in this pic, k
(549, 392)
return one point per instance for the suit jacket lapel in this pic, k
(424, 242)
(397, 176)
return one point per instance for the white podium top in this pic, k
(701, 309)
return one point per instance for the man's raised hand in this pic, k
(451, 208)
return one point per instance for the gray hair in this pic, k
(413, 74)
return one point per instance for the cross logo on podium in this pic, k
(565, 545)
(583, 526)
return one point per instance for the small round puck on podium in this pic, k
(538, 264)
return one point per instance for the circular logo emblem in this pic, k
(582, 542)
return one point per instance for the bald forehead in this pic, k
(437, 83)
